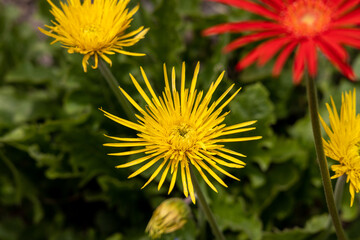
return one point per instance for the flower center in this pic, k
(183, 130)
(306, 18)
(90, 32)
(182, 137)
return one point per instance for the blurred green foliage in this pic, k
(56, 181)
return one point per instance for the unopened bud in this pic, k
(169, 216)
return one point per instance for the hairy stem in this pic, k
(205, 207)
(114, 86)
(325, 176)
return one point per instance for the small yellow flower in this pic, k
(94, 28)
(344, 141)
(182, 128)
(169, 216)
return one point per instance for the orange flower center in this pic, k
(306, 18)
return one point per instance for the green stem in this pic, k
(114, 86)
(205, 207)
(325, 176)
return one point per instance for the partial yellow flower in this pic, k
(180, 128)
(94, 28)
(344, 141)
(169, 216)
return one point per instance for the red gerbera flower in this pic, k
(304, 25)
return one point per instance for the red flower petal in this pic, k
(337, 3)
(346, 32)
(250, 38)
(336, 60)
(270, 48)
(299, 63)
(263, 52)
(241, 27)
(247, 60)
(335, 47)
(348, 40)
(311, 57)
(282, 58)
(349, 4)
(275, 4)
(251, 7)
(351, 18)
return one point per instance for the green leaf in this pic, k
(253, 103)
(165, 37)
(26, 73)
(313, 226)
(21, 133)
(280, 178)
(293, 234)
(231, 214)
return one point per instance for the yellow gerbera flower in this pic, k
(182, 128)
(94, 27)
(344, 141)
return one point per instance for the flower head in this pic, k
(182, 128)
(344, 141)
(94, 28)
(169, 216)
(300, 26)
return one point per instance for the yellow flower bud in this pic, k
(169, 216)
